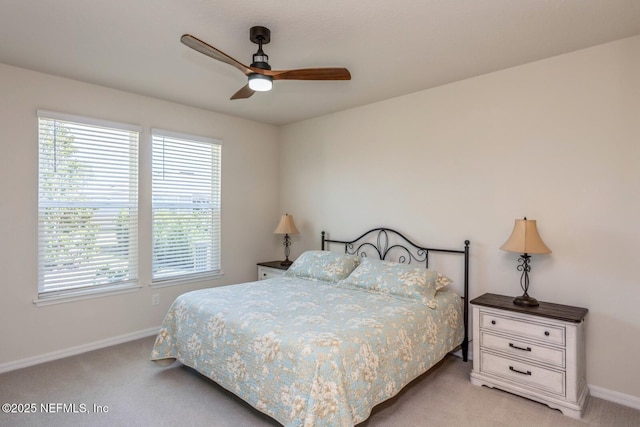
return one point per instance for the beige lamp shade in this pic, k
(525, 239)
(286, 225)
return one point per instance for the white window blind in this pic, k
(87, 204)
(185, 205)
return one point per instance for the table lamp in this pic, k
(526, 240)
(286, 227)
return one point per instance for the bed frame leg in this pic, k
(465, 342)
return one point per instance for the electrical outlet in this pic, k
(155, 299)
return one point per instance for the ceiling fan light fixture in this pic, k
(260, 82)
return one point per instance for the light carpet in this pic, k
(119, 386)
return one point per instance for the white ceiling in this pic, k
(391, 47)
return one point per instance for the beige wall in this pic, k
(557, 141)
(250, 210)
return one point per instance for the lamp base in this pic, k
(526, 301)
(286, 263)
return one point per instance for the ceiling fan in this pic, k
(259, 74)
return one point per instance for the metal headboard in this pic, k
(406, 252)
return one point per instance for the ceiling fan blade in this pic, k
(244, 92)
(308, 74)
(204, 48)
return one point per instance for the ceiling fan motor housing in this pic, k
(260, 36)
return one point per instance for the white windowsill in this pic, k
(82, 294)
(184, 280)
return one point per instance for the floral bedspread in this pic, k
(308, 353)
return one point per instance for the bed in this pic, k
(337, 334)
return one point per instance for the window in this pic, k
(87, 206)
(185, 206)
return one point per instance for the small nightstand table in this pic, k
(535, 352)
(267, 270)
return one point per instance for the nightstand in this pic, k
(535, 352)
(267, 270)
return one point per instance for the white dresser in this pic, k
(535, 352)
(267, 270)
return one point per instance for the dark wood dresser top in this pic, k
(565, 313)
(274, 264)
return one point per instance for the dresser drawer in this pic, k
(525, 373)
(269, 272)
(547, 333)
(521, 348)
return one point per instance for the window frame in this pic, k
(158, 282)
(55, 296)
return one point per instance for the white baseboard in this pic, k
(48, 357)
(615, 396)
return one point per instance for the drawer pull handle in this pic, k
(511, 368)
(493, 322)
(546, 333)
(519, 348)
